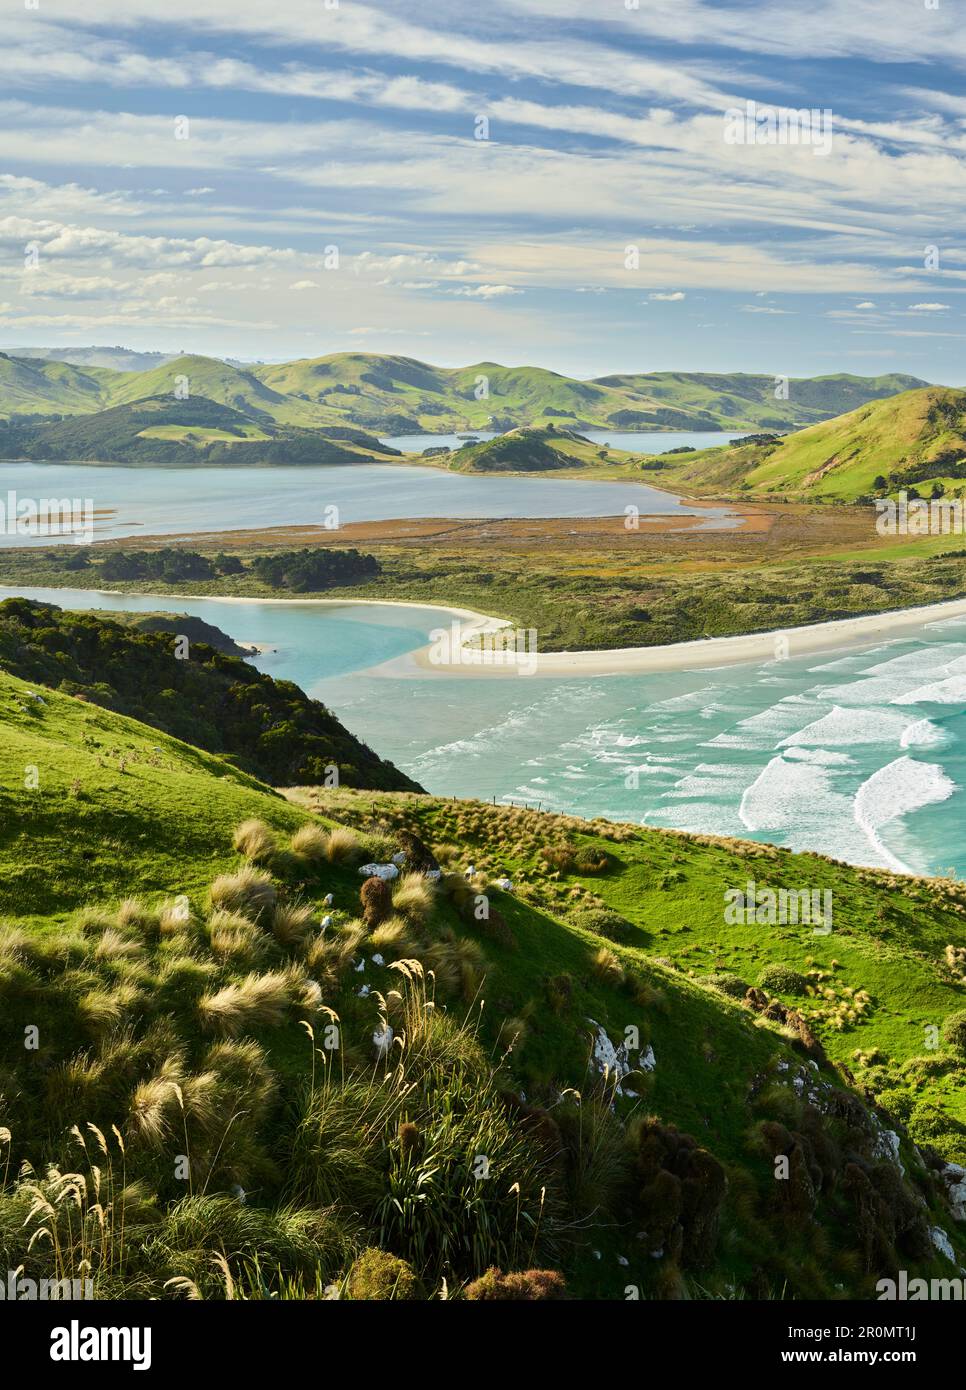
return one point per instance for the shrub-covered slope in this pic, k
(218, 702)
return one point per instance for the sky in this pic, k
(555, 182)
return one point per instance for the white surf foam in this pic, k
(951, 691)
(896, 790)
(844, 728)
(924, 734)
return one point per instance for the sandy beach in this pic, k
(780, 644)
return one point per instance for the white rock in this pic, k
(238, 1192)
(382, 1040)
(387, 872)
(505, 884)
(399, 859)
(614, 1061)
(328, 900)
(360, 967)
(363, 991)
(954, 1176)
(434, 875)
(886, 1144)
(326, 921)
(942, 1243)
(377, 959)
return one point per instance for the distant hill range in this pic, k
(398, 395)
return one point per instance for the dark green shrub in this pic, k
(378, 1276)
(731, 985)
(783, 979)
(603, 922)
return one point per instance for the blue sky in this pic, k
(332, 192)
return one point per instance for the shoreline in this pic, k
(778, 644)
(476, 622)
(703, 653)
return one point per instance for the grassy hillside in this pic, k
(400, 393)
(396, 395)
(661, 895)
(916, 439)
(35, 387)
(913, 440)
(204, 376)
(179, 997)
(189, 689)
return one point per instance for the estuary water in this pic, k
(184, 501)
(857, 753)
(634, 441)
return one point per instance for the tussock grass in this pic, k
(155, 1106)
(256, 841)
(257, 1001)
(310, 843)
(414, 896)
(174, 917)
(292, 923)
(330, 954)
(100, 1010)
(608, 968)
(392, 938)
(234, 937)
(134, 915)
(111, 945)
(250, 892)
(342, 846)
(457, 962)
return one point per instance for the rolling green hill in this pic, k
(29, 387)
(918, 438)
(160, 431)
(202, 376)
(396, 395)
(913, 440)
(270, 1067)
(529, 451)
